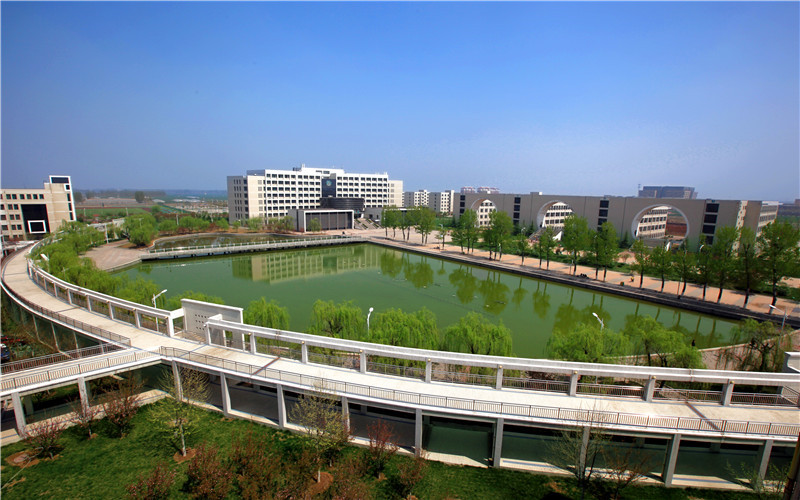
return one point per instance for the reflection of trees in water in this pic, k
(519, 295)
(569, 316)
(541, 301)
(391, 265)
(465, 284)
(420, 274)
(494, 293)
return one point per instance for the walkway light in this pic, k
(602, 325)
(368, 314)
(780, 311)
(159, 294)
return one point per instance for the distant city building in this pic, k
(789, 209)
(685, 192)
(32, 213)
(488, 190)
(441, 202)
(395, 193)
(273, 193)
(468, 190)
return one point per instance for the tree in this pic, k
(779, 253)
(747, 264)
(497, 232)
(390, 218)
(546, 244)
(762, 349)
(723, 256)
(84, 415)
(222, 224)
(661, 262)
(577, 450)
(609, 247)
(474, 334)
(344, 321)
(425, 222)
(588, 344)
(398, 328)
(704, 268)
(641, 256)
(139, 196)
(468, 225)
(318, 412)
(684, 264)
(44, 437)
(654, 342)
(168, 226)
(521, 246)
(208, 476)
(382, 444)
(314, 226)
(140, 291)
(575, 238)
(78, 196)
(174, 301)
(255, 223)
(268, 314)
(122, 404)
(405, 221)
(176, 414)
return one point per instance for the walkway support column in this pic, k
(226, 396)
(418, 432)
(498, 383)
(650, 388)
(82, 393)
(176, 374)
(573, 383)
(498, 442)
(727, 393)
(346, 412)
(303, 352)
(281, 407)
(362, 361)
(19, 414)
(765, 450)
(428, 370)
(671, 460)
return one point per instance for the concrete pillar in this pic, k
(82, 393)
(208, 334)
(573, 383)
(176, 374)
(765, 450)
(727, 392)
(138, 320)
(75, 339)
(281, 408)
(498, 383)
(89, 303)
(253, 345)
(226, 396)
(69, 295)
(585, 435)
(418, 432)
(498, 442)
(362, 361)
(671, 460)
(36, 326)
(303, 352)
(110, 310)
(19, 414)
(55, 337)
(170, 326)
(428, 369)
(650, 388)
(345, 411)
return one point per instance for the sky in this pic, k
(564, 98)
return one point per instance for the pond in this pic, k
(384, 278)
(215, 240)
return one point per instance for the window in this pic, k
(708, 229)
(603, 203)
(712, 208)
(603, 212)
(710, 219)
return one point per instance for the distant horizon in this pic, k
(586, 98)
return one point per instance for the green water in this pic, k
(215, 240)
(373, 276)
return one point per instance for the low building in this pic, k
(32, 213)
(329, 219)
(685, 192)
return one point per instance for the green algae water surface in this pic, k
(383, 278)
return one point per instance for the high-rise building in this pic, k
(272, 193)
(32, 213)
(684, 192)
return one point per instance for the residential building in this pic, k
(416, 198)
(32, 213)
(273, 193)
(395, 193)
(441, 202)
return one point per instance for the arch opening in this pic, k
(659, 224)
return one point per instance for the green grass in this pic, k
(103, 466)
(109, 212)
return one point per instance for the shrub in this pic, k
(207, 475)
(121, 405)
(44, 437)
(152, 486)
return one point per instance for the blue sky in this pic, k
(571, 98)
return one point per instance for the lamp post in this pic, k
(159, 294)
(780, 311)
(441, 231)
(602, 325)
(368, 315)
(46, 259)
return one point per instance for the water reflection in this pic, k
(273, 267)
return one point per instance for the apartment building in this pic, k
(439, 202)
(32, 213)
(273, 193)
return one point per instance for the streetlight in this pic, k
(441, 231)
(368, 314)
(780, 311)
(46, 259)
(159, 294)
(602, 325)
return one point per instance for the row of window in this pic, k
(25, 196)
(14, 227)
(10, 217)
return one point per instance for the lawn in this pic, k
(103, 466)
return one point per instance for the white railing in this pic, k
(251, 246)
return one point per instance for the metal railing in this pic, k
(60, 357)
(251, 246)
(575, 416)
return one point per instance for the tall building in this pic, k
(441, 202)
(684, 192)
(417, 198)
(395, 193)
(32, 213)
(272, 193)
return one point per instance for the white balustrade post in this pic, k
(428, 370)
(672, 459)
(253, 340)
(110, 310)
(170, 325)
(138, 320)
(362, 361)
(573, 383)
(303, 352)
(727, 393)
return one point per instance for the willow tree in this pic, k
(398, 328)
(475, 334)
(344, 321)
(268, 314)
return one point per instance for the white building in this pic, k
(555, 215)
(32, 213)
(653, 224)
(441, 202)
(272, 193)
(395, 193)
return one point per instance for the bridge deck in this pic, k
(17, 280)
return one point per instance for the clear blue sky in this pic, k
(572, 98)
